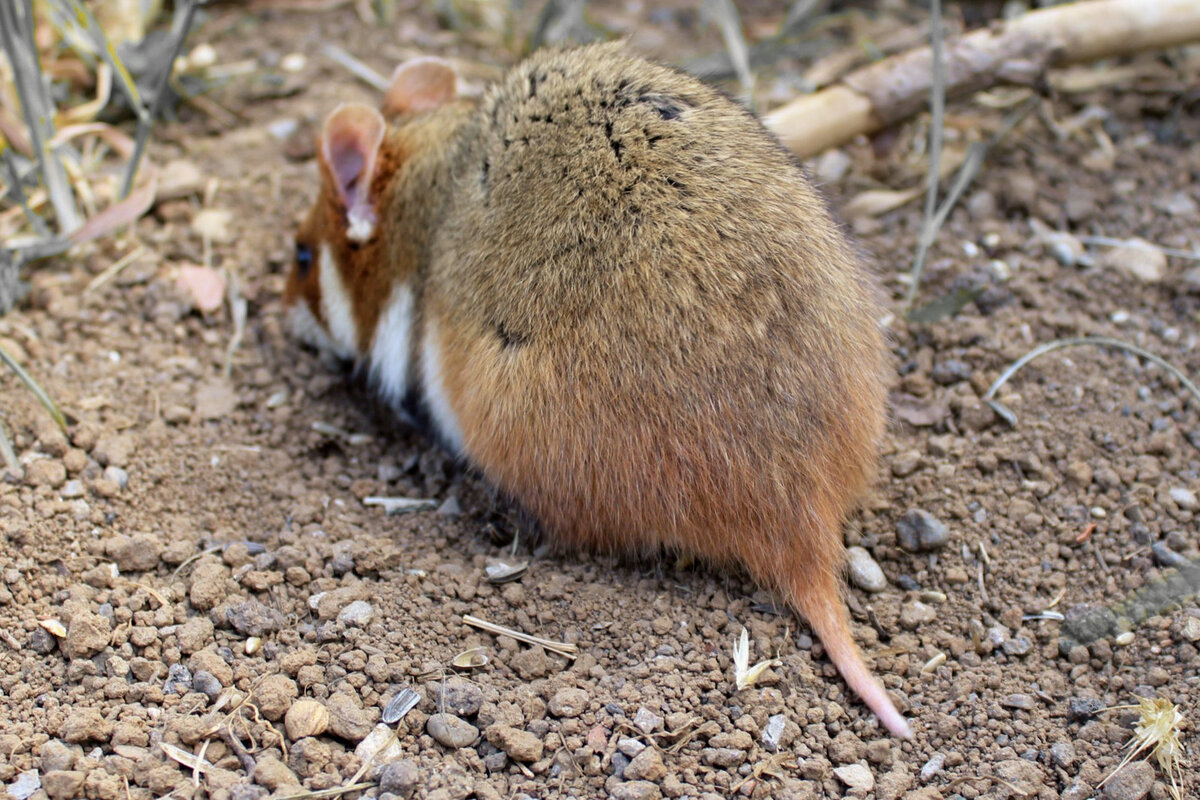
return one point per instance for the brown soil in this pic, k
(228, 567)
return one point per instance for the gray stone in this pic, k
(647, 721)
(253, 618)
(458, 696)
(920, 532)
(399, 777)
(1131, 782)
(451, 731)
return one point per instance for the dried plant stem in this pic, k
(1078, 341)
(356, 68)
(146, 119)
(1014, 51)
(725, 14)
(16, 37)
(7, 452)
(34, 387)
(937, 118)
(562, 648)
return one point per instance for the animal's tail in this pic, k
(812, 587)
(823, 609)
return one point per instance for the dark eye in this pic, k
(304, 260)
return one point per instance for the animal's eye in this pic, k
(304, 260)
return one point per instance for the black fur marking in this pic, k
(667, 108)
(509, 339)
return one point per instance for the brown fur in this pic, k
(652, 333)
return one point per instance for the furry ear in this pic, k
(420, 85)
(349, 145)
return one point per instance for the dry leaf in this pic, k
(204, 285)
(876, 202)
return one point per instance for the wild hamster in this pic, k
(613, 292)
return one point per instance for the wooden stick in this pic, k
(1018, 51)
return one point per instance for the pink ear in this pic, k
(349, 144)
(420, 85)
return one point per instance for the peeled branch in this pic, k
(1017, 51)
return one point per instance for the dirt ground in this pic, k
(195, 560)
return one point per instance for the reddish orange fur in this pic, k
(651, 333)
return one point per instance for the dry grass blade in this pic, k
(34, 387)
(1077, 341)
(183, 22)
(115, 269)
(192, 762)
(971, 165)
(7, 452)
(355, 67)
(1108, 241)
(1156, 735)
(81, 28)
(16, 37)
(562, 648)
(16, 194)
(725, 15)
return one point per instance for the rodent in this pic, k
(609, 289)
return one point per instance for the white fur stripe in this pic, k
(444, 418)
(392, 346)
(336, 306)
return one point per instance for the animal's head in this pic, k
(341, 277)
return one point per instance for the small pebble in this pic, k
(399, 778)
(117, 475)
(179, 680)
(950, 371)
(856, 776)
(1167, 557)
(865, 573)
(1131, 782)
(919, 531)
(933, 767)
(629, 746)
(1017, 646)
(914, 614)
(1184, 498)
(72, 489)
(357, 615)
(568, 702)
(635, 790)
(1024, 702)
(1081, 708)
(647, 721)
(774, 730)
(645, 766)
(1062, 754)
(451, 731)
(520, 745)
(25, 785)
(207, 684)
